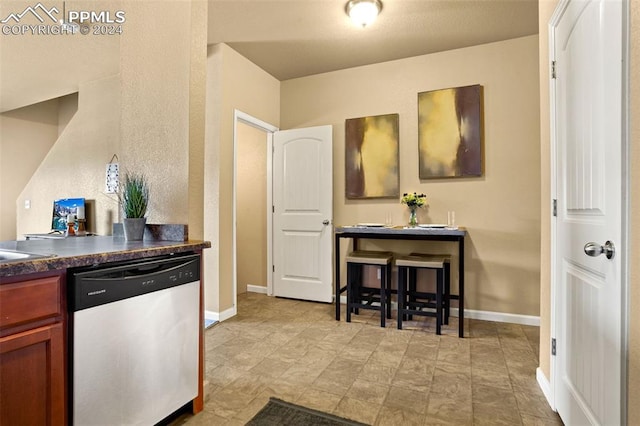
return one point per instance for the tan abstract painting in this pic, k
(450, 132)
(371, 157)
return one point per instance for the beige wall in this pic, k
(251, 200)
(144, 114)
(546, 9)
(233, 82)
(53, 66)
(501, 210)
(26, 135)
(75, 164)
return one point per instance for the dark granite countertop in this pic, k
(84, 251)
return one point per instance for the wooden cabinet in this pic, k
(33, 350)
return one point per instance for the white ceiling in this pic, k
(296, 38)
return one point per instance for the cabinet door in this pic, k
(32, 377)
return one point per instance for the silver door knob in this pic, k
(595, 249)
(325, 222)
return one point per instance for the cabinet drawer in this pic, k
(30, 300)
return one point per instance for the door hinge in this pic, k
(273, 209)
(555, 207)
(553, 346)
(553, 69)
(273, 268)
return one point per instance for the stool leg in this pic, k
(413, 286)
(447, 292)
(357, 284)
(439, 288)
(350, 274)
(383, 295)
(388, 268)
(401, 283)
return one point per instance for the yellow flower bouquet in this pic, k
(413, 201)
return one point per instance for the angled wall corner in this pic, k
(27, 135)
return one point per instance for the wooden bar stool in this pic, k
(412, 302)
(361, 296)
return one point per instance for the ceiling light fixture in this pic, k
(363, 12)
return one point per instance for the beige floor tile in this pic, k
(407, 399)
(378, 372)
(360, 411)
(390, 416)
(533, 405)
(296, 351)
(497, 378)
(270, 368)
(528, 420)
(319, 400)
(448, 411)
(494, 406)
(252, 408)
(368, 391)
(301, 374)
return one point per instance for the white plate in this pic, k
(371, 225)
(432, 225)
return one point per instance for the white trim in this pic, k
(499, 317)
(210, 315)
(220, 316)
(545, 386)
(269, 129)
(256, 289)
(553, 237)
(485, 315)
(270, 213)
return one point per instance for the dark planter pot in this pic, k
(134, 228)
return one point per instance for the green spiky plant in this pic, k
(134, 196)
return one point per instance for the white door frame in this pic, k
(269, 129)
(624, 208)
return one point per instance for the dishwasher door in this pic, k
(134, 341)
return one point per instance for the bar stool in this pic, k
(446, 295)
(361, 296)
(412, 302)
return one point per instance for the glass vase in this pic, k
(413, 217)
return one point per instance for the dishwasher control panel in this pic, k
(89, 287)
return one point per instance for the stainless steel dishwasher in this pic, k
(133, 332)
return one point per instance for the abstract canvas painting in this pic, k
(450, 132)
(371, 157)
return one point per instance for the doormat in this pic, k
(279, 412)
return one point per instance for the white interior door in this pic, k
(588, 313)
(303, 213)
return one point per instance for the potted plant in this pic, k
(134, 199)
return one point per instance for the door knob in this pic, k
(325, 222)
(595, 249)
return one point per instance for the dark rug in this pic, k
(279, 412)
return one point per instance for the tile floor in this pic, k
(296, 351)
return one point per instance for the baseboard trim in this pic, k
(545, 386)
(220, 316)
(256, 289)
(486, 315)
(499, 317)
